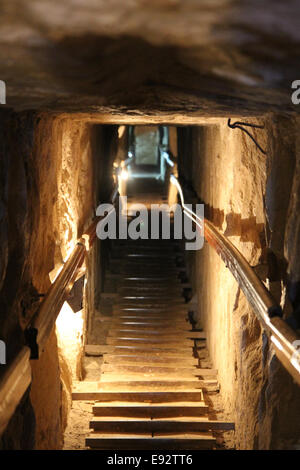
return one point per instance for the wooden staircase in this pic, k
(152, 391)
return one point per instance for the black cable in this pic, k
(238, 125)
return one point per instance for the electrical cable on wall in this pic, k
(239, 124)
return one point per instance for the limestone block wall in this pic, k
(47, 200)
(233, 178)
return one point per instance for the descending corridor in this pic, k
(154, 385)
(201, 101)
(138, 342)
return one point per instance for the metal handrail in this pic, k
(268, 312)
(17, 376)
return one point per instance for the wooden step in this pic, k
(156, 301)
(151, 280)
(134, 425)
(151, 361)
(150, 315)
(167, 320)
(144, 396)
(155, 333)
(144, 383)
(151, 310)
(155, 296)
(120, 252)
(142, 256)
(144, 325)
(149, 343)
(141, 350)
(158, 305)
(172, 441)
(146, 290)
(158, 369)
(167, 284)
(150, 410)
(160, 341)
(152, 298)
(111, 382)
(173, 273)
(152, 323)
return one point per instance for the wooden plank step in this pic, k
(131, 266)
(140, 242)
(155, 264)
(99, 350)
(145, 383)
(139, 319)
(133, 425)
(151, 315)
(154, 300)
(132, 346)
(142, 350)
(151, 361)
(112, 383)
(158, 340)
(151, 258)
(148, 247)
(144, 396)
(143, 326)
(164, 258)
(158, 305)
(161, 255)
(167, 320)
(135, 264)
(160, 249)
(158, 442)
(152, 309)
(150, 262)
(171, 272)
(145, 322)
(146, 289)
(148, 308)
(163, 333)
(149, 343)
(168, 285)
(150, 298)
(150, 410)
(151, 280)
(158, 369)
(159, 284)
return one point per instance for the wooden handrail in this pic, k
(264, 306)
(46, 316)
(13, 385)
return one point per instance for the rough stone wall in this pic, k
(232, 177)
(15, 283)
(47, 201)
(187, 56)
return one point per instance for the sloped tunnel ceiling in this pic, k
(190, 58)
(210, 57)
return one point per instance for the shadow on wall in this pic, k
(247, 229)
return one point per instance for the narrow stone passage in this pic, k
(154, 386)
